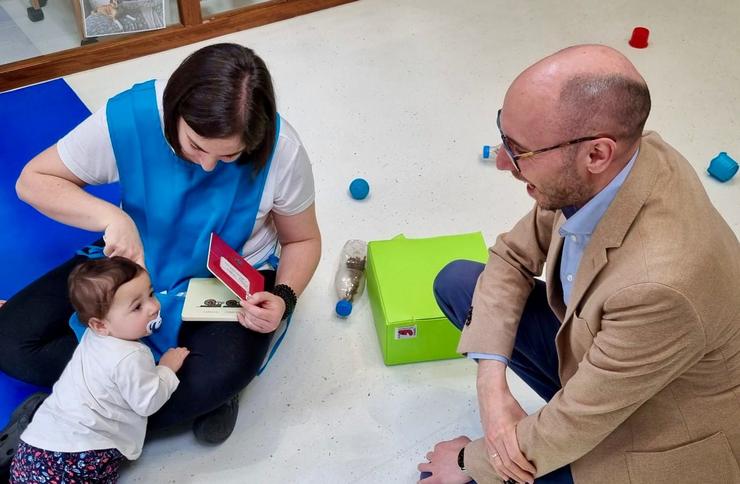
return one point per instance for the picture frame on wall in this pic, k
(113, 17)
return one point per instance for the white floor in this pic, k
(404, 93)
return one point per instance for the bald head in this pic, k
(589, 59)
(586, 90)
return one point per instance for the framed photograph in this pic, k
(112, 17)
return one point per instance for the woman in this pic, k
(205, 153)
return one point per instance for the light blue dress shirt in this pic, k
(576, 232)
(579, 227)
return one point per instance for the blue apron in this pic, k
(175, 205)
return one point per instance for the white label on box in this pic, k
(232, 271)
(406, 332)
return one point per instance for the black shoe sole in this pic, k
(19, 420)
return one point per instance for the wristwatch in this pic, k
(461, 461)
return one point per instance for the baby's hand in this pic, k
(173, 358)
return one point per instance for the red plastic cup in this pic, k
(639, 39)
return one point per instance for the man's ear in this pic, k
(601, 155)
(99, 326)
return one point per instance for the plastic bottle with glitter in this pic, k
(490, 152)
(350, 278)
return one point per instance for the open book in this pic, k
(217, 299)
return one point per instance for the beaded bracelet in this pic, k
(288, 295)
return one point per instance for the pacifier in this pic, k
(154, 324)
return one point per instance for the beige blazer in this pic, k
(649, 347)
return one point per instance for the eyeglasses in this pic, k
(518, 156)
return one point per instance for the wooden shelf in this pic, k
(192, 29)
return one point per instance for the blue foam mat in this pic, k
(32, 119)
(13, 393)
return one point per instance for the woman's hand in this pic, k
(261, 312)
(122, 238)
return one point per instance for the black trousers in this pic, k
(36, 343)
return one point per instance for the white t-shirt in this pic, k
(289, 189)
(103, 398)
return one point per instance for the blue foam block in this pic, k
(32, 119)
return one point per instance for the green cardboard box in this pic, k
(400, 278)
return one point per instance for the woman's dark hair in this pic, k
(222, 90)
(93, 283)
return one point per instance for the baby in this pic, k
(96, 415)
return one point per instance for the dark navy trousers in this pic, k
(534, 358)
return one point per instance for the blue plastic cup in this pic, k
(722, 167)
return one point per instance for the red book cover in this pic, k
(232, 269)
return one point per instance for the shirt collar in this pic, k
(583, 221)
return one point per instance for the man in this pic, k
(634, 342)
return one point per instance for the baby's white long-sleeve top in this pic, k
(103, 398)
